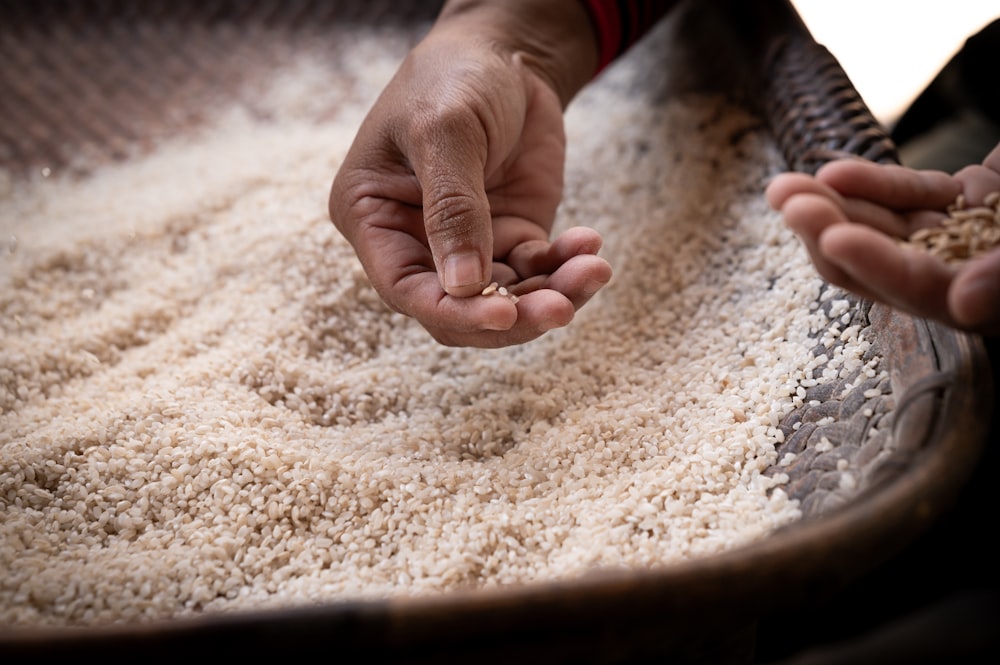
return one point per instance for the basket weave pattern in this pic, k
(816, 114)
(95, 81)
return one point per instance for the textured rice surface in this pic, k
(204, 407)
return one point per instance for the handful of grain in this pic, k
(965, 234)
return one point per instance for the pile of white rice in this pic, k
(204, 407)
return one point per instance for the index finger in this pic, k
(890, 185)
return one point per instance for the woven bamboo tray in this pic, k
(126, 74)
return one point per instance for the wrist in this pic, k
(554, 38)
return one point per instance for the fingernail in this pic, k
(592, 287)
(462, 269)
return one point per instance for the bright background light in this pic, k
(891, 49)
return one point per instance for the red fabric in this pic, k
(607, 28)
(618, 24)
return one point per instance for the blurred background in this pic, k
(891, 49)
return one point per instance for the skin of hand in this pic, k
(850, 215)
(455, 175)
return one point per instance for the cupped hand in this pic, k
(851, 215)
(453, 182)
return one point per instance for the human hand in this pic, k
(455, 176)
(851, 215)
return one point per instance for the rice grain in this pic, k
(964, 234)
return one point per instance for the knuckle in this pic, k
(444, 119)
(451, 215)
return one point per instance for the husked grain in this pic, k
(495, 288)
(964, 234)
(205, 407)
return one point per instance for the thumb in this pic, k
(457, 213)
(974, 297)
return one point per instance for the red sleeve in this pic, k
(618, 24)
